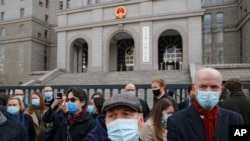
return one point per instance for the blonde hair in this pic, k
(21, 105)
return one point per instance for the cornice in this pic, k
(157, 17)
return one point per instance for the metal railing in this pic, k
(143, 91)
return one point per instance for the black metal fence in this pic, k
(143, 91)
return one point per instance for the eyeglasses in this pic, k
(73, 99)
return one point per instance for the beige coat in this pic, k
(147, 132)
(35, 122)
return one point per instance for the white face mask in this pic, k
(131, 92)
(123, 130)
(20, 97)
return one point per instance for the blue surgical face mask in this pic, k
(123, 130)
(91, 109)
(20, 97)
(207, 99)
(72, 107)
(165, 118)
(35, 102)
(131, 92)
(13, 110)
(48, 95)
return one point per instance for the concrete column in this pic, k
(62, 56)
(195, 39)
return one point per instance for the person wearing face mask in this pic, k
(154, 128)
(36, 110)
(48, 95)
(158, 86)
(203, 120)
(9, 130)
(76, 125)
(15, 113)
(124, 117)
(53, 117)
(95, 104)
(99, 132)
(20, 94)
(131, 89)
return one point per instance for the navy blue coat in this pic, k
(187, 125)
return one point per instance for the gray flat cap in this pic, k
(122, 100)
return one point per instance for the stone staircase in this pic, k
(145, 77)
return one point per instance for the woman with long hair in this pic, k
(36, 110)
(154, 128)
(15, 113)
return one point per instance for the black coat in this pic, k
(99, 133)
(145, 108)
(54, 117)
(239, 103)
(169, 98)
(11, 131)
(78, 130)
(183, 104)
(30, 127)
(187, 125)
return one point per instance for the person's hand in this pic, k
(56, 102)
(63, 107)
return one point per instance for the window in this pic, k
(68, 3)
(89, 1)
(40, 4)
(61, 5)
(1, 59)
(45, 58)
(97, 1)
(22, 12)
(21, 29)
(39, 35)
(207, 2)
(2, 2)
(219, 21)
(46, 18)
(47, 4)
(220, 38)
(46, 34)
(2, 16)
(219, 1)
(208, 38)
(2, 32)
(20, 58)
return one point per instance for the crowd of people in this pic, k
(124, 117)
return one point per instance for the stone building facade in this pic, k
(88, 36)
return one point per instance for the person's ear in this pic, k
(140, 121)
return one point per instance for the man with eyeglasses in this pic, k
(19, 93)
(131, 89)
(48, 95)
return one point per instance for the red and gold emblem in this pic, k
(120, 12)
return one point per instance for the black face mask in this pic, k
(156, 92)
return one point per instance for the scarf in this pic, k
(74, 117)
(19, 119)
(209, 120)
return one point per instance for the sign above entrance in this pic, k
(120, 12)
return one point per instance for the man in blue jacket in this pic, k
(203, 120)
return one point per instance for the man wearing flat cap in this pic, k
(124, 117)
